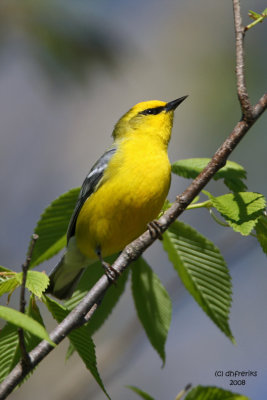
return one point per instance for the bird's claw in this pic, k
(154, 228)
(110, 272)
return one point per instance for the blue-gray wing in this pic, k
(89, 186)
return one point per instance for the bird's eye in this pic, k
(152, 111)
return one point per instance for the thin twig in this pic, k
(183, 392)
(25, 267)
(90, 313)
(258, 19)
(242, 92)
(25, 358)
(25, 361)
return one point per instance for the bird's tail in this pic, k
(67, 272)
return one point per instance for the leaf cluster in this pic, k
(198, 393)
(197, 261)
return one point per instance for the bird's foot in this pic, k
(110, 272)
(154, 228)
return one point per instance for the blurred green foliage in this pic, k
(66, 42)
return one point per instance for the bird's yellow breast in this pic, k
(131, 194)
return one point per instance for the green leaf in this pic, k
(33, 312)
(80, 339)
(213, 393)
(152, 304)
(167, 204)
(58, 311)
(70, 351)
(202, 270)
(7, 275)
(9, 342)
(8, 285)
(4, 269)
(261, 232)
(241, 210)
(141, 393)
(87, 281)
(31, 341)
(85, 347)
(25, 322)
(52, 227)
(254, 15)
(232, 173)
(37, 282)
(8, 345)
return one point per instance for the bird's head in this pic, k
(149, 118)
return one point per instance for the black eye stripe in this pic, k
(152, 111)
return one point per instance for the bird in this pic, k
(123, 192)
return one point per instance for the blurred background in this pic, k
(68, 71)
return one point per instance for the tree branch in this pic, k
(25, 360)
(85, 309)
(242, 92)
